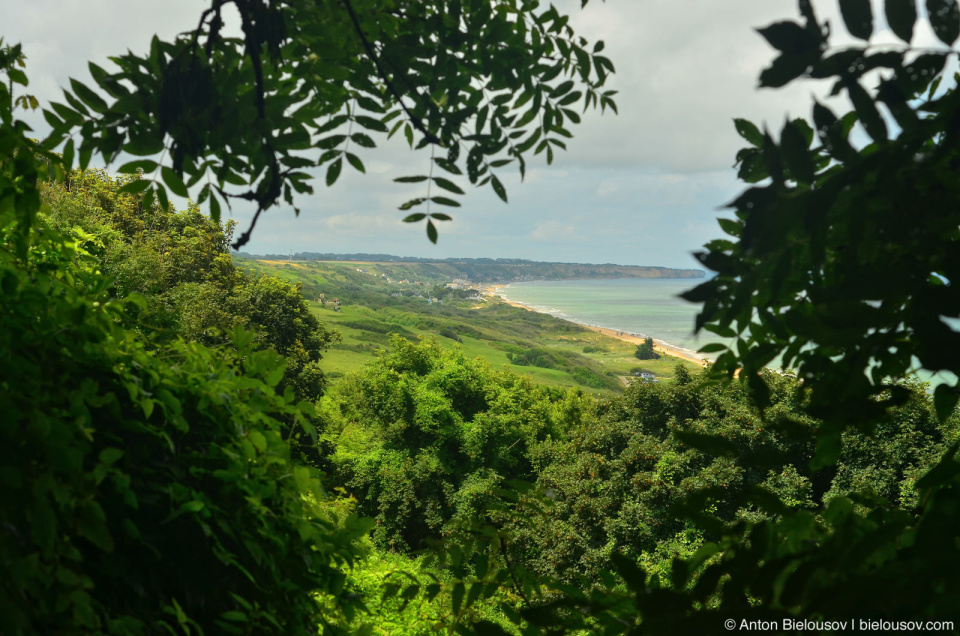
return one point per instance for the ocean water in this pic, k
(644, 306)
(650, 307)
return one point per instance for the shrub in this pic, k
(148, 490)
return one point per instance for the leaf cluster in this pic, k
(309, 86)
(144, 489)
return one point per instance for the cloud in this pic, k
(643, 187)
(553, 231)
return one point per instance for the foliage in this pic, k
(860, 299)
(424, 437)
(645, 350)
(238, 114)
(143, 490)
(853, 306)
(178, 263)
(622, 480)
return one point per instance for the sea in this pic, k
(648, 307)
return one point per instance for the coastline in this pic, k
(661, 347)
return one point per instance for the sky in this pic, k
(641, 188)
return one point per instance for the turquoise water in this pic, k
(645, 306)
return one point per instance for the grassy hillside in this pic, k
(494, 270)
(378, 299)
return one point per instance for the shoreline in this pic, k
(660, 346)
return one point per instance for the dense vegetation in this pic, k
(177, 267)
(148, 484)
(167, 450)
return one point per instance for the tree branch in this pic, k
(417, 123)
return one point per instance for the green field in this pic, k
(379, 299)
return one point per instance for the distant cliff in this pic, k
(493, 270)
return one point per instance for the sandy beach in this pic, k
(659, 346)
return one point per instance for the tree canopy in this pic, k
(118, 451)
(149, 484)
(485, 83)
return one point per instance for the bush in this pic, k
(645, 350)
(425, 437)
(147, 491)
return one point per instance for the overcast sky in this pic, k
(641, 188)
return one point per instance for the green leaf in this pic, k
(458, 591)
(482, 119)
(561, 89)
(749, 131)
(413, 218)
(945, 20)
(88, 97)
(173, 181)
(331, 142)
(901, 16)
(713, 347)
(363, 140)
(258, 440)
(448, 185)
(92, 525)
(784, 70)
(131, 167)
(334, 122)
(446, 201)
(721, 330)
(333, 171)
(831, 134)
(371, 123)
(448, 166)
(412, 203)
(431, 232)
(632, 574)
(867, 111)
(858, 17)
(410, 179)
(355, 162)
(789, 37)
(731, 227)
(945, 399)
(498, 188)
(143, 145)
(793, 143)
(110, 455)
(68, 154)
(488, 628)
(440, 216)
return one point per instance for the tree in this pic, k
(484, 84)
(645, 350)
(179, 263)
(843, 261)
(135, 482)
(148, 491)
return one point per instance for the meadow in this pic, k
(378, 299)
